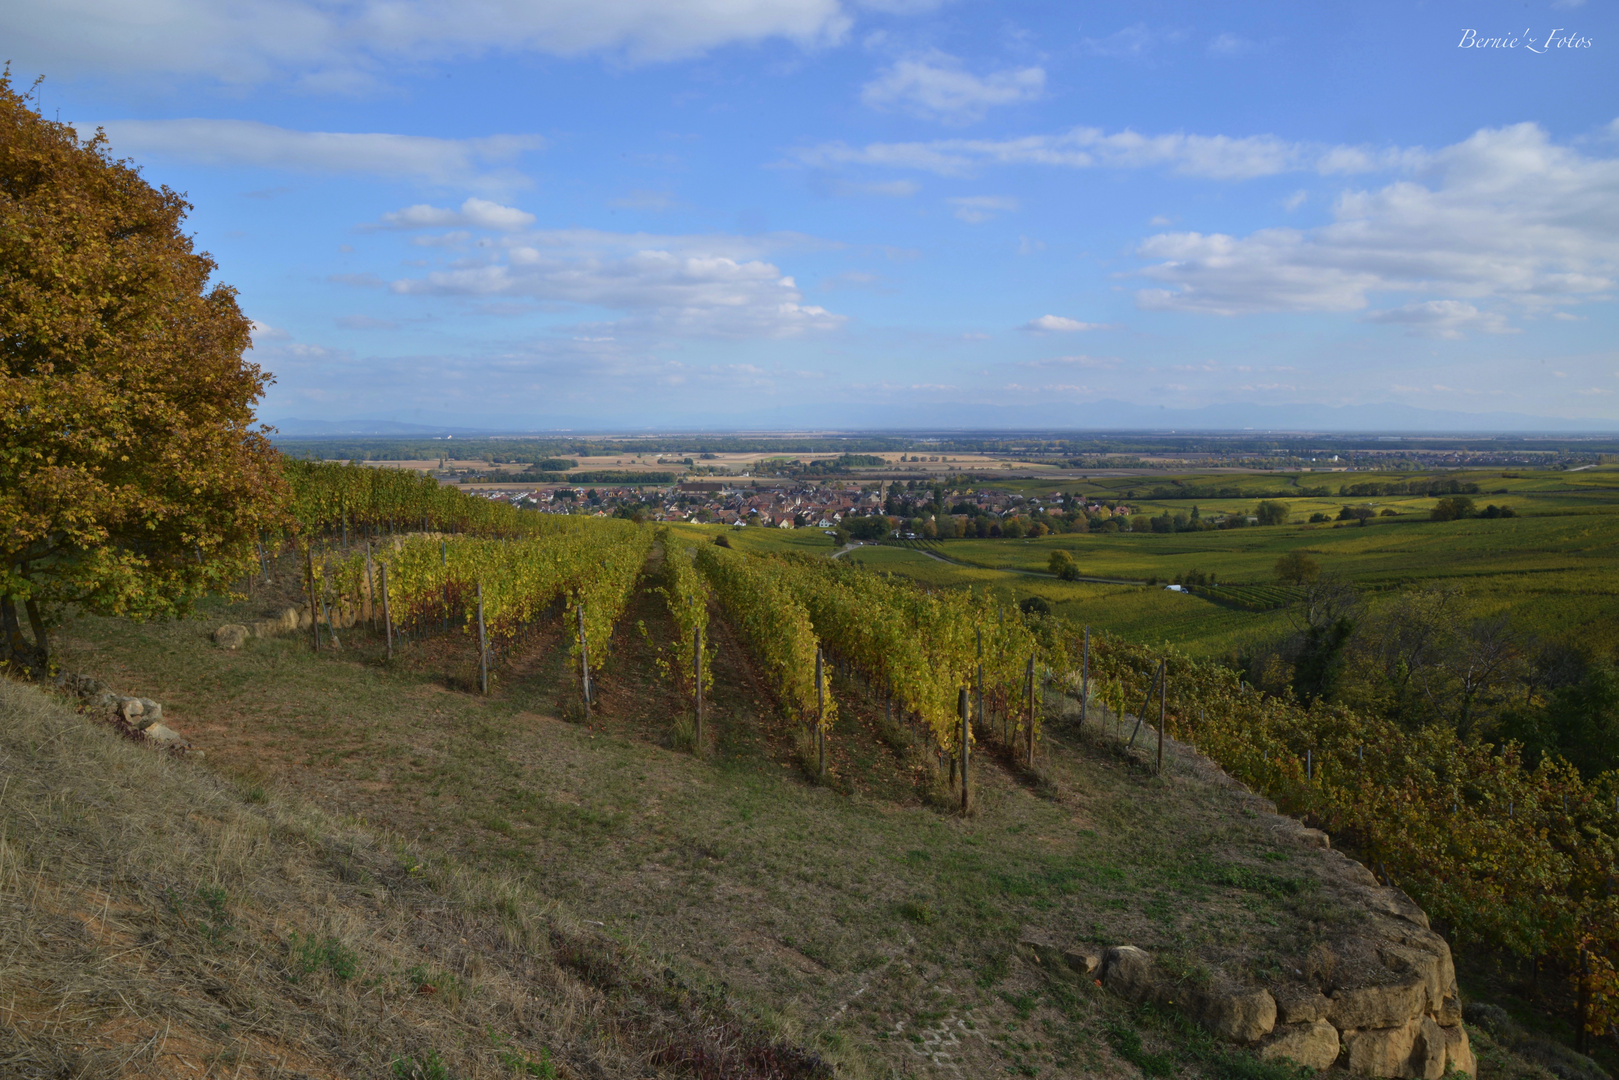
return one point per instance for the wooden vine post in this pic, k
(980, 635)
(697, 676)
(387, 616)
(584, 658)
(966, 750)
(820, 712)
(1031, 712)
(483, 647)
(1141, 715)
(1163, 677)
(1085, 681)
(314, 614)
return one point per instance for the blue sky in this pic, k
(615, 213)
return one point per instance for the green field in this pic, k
(1554, 569)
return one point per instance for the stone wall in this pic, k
(1377, 997)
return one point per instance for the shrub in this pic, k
(1271, 513)
(1452, 508)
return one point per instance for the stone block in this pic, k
(1299, 1004)
(1129, 972)
(230, 636)
(1384, 1006)
(1458, 1052)
(1241, 1016)
(1384, 1051)
(1314, 1045)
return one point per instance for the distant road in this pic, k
(1001, 569)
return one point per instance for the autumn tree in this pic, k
(132, 481)
(1297, 568)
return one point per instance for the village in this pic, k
(909, 508)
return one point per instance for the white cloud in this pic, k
(935, 87)
(654, 202)
(688, 292)
(1229, 44)
(249, 143)
(366, 322)
(977, 209)
(1504, 215)
(1219, 157)
(345, 47)
(265, 332)
(475, 213)
(1061, 324)
(887, 189)
(1442, 318)
(1295, 200)
(1079, 361)
(1132, 42)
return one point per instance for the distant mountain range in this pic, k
(1116, 416)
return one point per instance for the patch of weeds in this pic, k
(255, 794)
(1278, 856)
(428, 1067)
(1185, 972)
(1272, 885)
(683, 735)
(428, 983)
(918, 912)
(207, 907)
(571, 709)
(494, 822)
(993, 971)
(1220, 1061)
(521, 1063)
(309, 955)
(1126, 1042)
(1024, 1004)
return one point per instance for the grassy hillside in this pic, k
(160, 919)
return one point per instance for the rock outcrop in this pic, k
(1378, 996)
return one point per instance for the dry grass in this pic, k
(158, 921)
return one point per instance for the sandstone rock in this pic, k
(1428, 1051)
(1299, 1004)
(1314, 1045)
(1315, 838)
(139, 713)
(1128, 972)
(164, 736)
(1384, 1051)
(1353, 871)
(1458, 1052)
(1243, 1016)
(301, 619)
(230, 636)
(1383, 1006)
(1450, 1009)
(1083, 961)
(1392, 901)
(1419, 964)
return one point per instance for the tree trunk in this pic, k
(36, 622)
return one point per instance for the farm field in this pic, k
(1554, 569)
